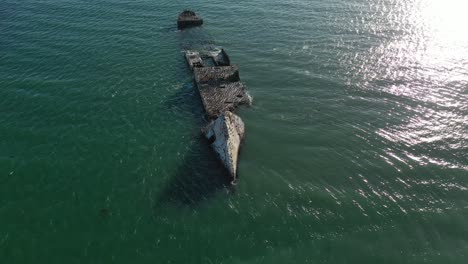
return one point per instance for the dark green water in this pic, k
(356, 149)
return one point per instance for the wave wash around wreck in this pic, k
(221, 91)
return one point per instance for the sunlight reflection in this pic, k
(424, 67)
(446, 19)
(444, 24)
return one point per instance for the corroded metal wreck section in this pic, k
(187, 19)
(220, 87)
(216, 75)
(194, 59)
(220, 98)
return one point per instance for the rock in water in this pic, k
(225, 135)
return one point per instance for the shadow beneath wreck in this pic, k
(187, 102)
(194, 38)
(201, 174)
(198, 178)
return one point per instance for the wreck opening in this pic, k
(212, 139)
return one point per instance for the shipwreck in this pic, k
(187, 19)
(221, 91)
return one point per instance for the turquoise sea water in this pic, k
(356, 148)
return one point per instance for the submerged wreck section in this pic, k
(221, 92)
(187, 19)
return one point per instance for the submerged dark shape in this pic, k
(187, 19)
(197, 178)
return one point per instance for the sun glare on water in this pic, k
(446, 19)
(424, 66)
